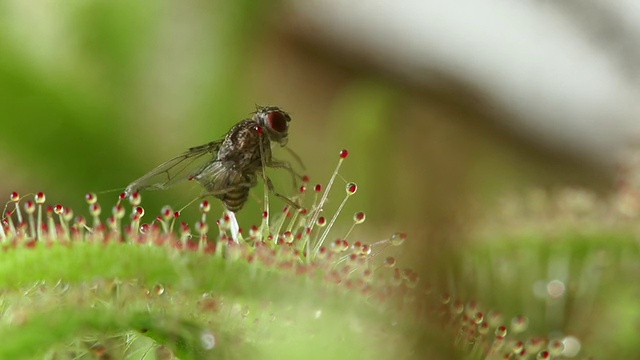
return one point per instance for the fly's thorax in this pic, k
(241, 145)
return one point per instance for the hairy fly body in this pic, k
(228, 168)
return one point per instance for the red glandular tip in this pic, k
(351, 188)
(390, 262)
(167, 213)
(205, 207)
(317, 188)
(398, 239)
(118, 211)
(202, 227)
(40, 198)
(305, 179)
(95, 209)
(344, 153)
(91, 198)
(135, 199)
(14, 196)
(29, 207)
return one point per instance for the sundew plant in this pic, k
(121, 284)
(118, 286)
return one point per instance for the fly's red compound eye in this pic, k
(278, 121)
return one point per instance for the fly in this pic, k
(228, 168)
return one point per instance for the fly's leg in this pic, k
(285, 165)
(274, 192)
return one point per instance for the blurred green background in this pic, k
(93, 94)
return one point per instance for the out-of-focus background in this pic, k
(443, 107)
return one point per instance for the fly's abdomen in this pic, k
(234, 199)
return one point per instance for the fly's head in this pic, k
(275, 122)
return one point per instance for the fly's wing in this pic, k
(186, 166)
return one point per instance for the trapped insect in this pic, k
(228, 168)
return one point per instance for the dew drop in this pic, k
(359, 217)
(58, 209)
(494, 318)
(140, 211)
(390, 262)
(412, 281)
(205, 207)
(534, 345)
(501, 332)
(457, 307)
(91, 198)
(118, 211)
(40, 198)
(483, 329)
(398, 239)
(80, 221)
(445, 298)
(321, 221)
(67, 214)
(322, 252)
(135, 199)
(158, 289)
(517, 347)
(519, 324)
(207, 340)
(29, 207)
(14, 196)
(167, 212)
(351, 188)
(339, 245)
(202, 227)
(543, 355)
(95, 209)
(556, 347)
(478, 318)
